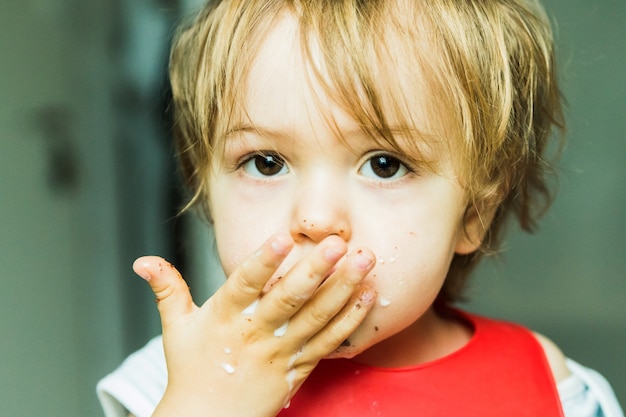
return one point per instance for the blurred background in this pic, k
(88, 183)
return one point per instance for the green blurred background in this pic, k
(87, 184)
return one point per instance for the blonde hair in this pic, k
(488, 65)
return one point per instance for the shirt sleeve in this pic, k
(587, 394)
(137, 385)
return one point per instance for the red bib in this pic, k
(502, 371)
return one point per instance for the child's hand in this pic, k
(245, 353)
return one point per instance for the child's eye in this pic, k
(265, 165)
(383, 166)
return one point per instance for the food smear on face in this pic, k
(381, 261)
(228, 368)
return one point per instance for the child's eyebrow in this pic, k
(353, 136)
(348, 131)
(263, 131)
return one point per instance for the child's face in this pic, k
(294, 175)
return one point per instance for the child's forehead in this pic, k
(290, 80)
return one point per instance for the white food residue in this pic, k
(228, 368)
(281, 330)
(384, 302)
(291, 376)
(291, 379)
(248, 311)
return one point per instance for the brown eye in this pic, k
(265, 165)
(383, 166)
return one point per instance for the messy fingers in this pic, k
(171, 291)
(245, 285)
(337, 333)
(301, 282)
(333, 295)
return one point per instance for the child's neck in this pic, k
(431, 337)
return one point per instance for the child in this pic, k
(356, 159)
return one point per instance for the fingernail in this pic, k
(280, 246)
(362, 260)
(333, 254)
(145, 275)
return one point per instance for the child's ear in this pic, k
(476, 223)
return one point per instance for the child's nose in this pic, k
(321, 210)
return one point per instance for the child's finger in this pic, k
(171, 291)
(334, 294)
(339, 329)
(301, 282)
(245, 285)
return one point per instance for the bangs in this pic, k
(369, 62)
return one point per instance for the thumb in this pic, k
(172, 293)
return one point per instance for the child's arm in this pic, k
(555, 358)
(235, 356)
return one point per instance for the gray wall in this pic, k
(82, 168)
(80, 159)
(569, 280)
